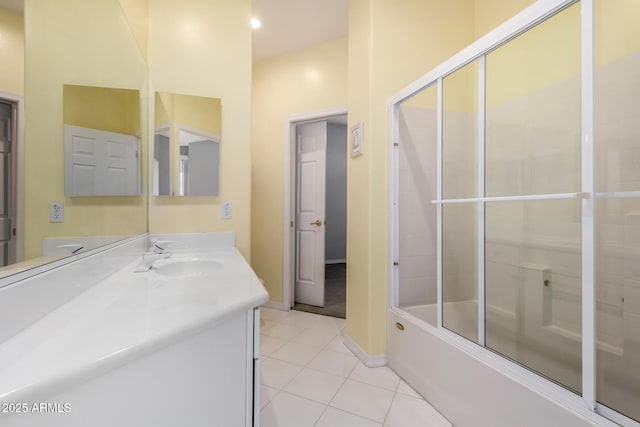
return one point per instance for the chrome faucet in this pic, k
(156, 251)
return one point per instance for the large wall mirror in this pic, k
(186, 146)
(78, 67)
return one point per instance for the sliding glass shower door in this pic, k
(517, 206)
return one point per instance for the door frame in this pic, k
(175, 168)
(18, 184)
(289, 216)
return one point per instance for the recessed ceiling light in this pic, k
(255, 23)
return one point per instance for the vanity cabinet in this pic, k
(205, 379)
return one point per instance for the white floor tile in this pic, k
(333, 363)
(381, 377)
(300, 354)
(267, 394)
(315, 385)
(333, 417)
(266, 323)
(340, 322)
(363, 399)
(287, 410)
(315, 337)
(405, 388)
(284, 330)
(337, 344)
(408, 411)
(328, 329)
(277, 373)
(328, 323)
(270, 344)
(302, 318)
(271, 314)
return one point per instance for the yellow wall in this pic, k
(307, 80)
(203, 48)
(546, 54)
(488, 14)
(359, 291)
(137, 14)
(108, 109)
(198, 112)
(390, 45)
(11, 52)
(163, 110)
(395, 58)
(65, 44)
(616, 29)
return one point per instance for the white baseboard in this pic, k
(275, 305)
(370, 361)
(336, 261)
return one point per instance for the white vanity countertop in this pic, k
(122, 317)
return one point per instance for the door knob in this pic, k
(316, 222)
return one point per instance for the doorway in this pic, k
(10, 249)
(315, 256)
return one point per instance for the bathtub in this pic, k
(92, 343)
(473, 386)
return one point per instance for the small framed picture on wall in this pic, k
(357, 141)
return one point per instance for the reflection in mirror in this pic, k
(101, 141)
(66, 45)
(11, 131)
(186, 145)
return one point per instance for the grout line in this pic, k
(386, 416)
(321, 414)
(344, 378)
(357, 415)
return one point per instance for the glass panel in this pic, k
(617, 137)
(459, 221)
(533, 286)
(460, 269)
(460, 133)
(533, 110)
(417, 220)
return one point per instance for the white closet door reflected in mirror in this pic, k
(101, 141)
(186, 145)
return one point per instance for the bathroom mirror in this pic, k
(68, 50)
(101, 141)
(186, 148)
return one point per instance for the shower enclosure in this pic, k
(516, 204)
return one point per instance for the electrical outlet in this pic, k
(226, 210)
(56, 212)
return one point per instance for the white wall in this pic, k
(336, 196)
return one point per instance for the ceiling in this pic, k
(288, 25)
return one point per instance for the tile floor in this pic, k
(309, 378)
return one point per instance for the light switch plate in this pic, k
(56, 212)
(226, 210)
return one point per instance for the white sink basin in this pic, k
(187, 267)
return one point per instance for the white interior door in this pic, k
(100, 163)
(311, 151)
(7, 136)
